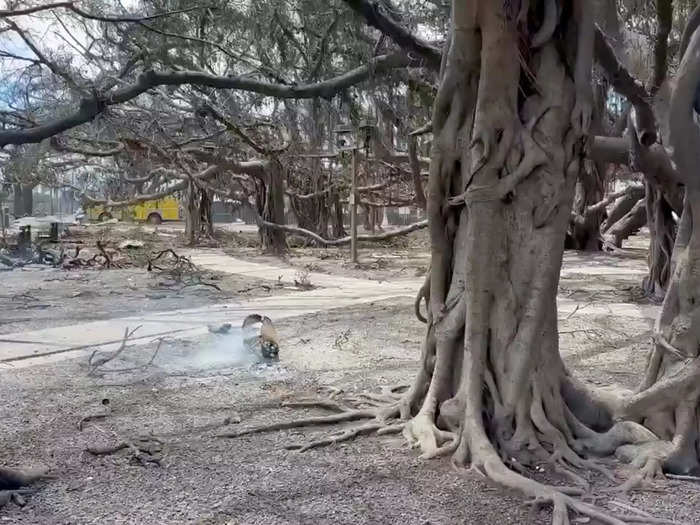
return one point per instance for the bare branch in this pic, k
(59, 145)
(43, 58)
(8, 13)
(220, 117)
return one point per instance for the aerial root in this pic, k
(562, 469)
(421, 432)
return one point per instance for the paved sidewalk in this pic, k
(52, 344)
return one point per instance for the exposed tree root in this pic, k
(509, 126)
(144, 450)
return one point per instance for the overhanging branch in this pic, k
(90, 108)
(375, 16)
(626, 85)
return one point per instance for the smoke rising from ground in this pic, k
(214, 351)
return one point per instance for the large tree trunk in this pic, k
(23, 200)
(492, 391)
(270, 204)
(198, 214)
(667, 400)
(337, 217)
(493, 385)
(492, 375)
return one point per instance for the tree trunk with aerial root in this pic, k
(493, 393)
(198, 214)
(269, 200)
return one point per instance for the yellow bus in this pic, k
(152, 212)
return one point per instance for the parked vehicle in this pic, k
(152, 212)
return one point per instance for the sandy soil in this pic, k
(193, 385)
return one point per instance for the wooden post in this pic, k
(353, 207)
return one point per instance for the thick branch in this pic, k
(375, 16)
(628, 86)
(90, 108)
(344, 240)
(206, 174)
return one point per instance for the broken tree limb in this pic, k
(344, 240)
(97, 363)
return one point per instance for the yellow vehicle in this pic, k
(153, 212)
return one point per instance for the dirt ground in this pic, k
(195, 386)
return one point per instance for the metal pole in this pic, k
(353, 207)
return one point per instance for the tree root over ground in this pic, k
(379, 414)
(143, 450)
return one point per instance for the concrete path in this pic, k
(51, 344)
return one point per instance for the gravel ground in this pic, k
(40, 297)
(194, 385)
